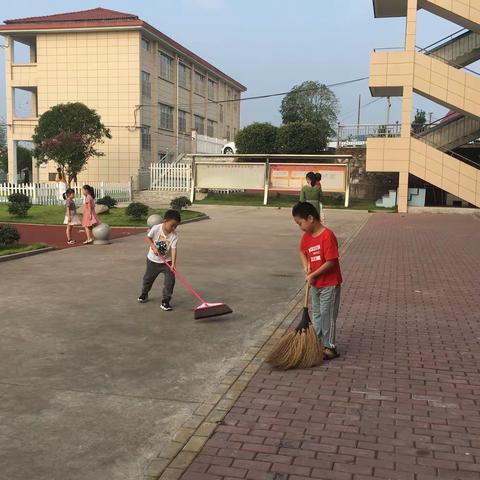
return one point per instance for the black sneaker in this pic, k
(143, 298)
(165, 305)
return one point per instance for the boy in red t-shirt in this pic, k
(319, 257)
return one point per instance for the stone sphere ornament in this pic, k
(154, 219)
(101, 234)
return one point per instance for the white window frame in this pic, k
(146, 42)
(186, 70)
(201, 130)
(165, 116)
(182, 119)
(199, 84)
(211, 128)
(167, 72)
(212, 92)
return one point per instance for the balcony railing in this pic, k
(350, 136)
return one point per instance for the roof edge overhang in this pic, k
(32, 28)
(389, 8)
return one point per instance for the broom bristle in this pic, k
(280, 353)
(212, 311)
(297, 349)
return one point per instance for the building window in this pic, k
(182, 121)
(145, 44)
(220, 113)
(199, 83)
(235, 103)
(234, 134)
(183, 75)
(199, 124)
(165, 115)
(146, 140)
(210, 128)
(166, 67)
(146, 85)
(162, 156)
(211, 89)
(227, 133)
(229, 97)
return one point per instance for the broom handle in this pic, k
(307, 291)
(174, 271)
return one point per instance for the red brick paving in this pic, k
(54, 235)
(403, 400)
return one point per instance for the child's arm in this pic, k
(304, 261)
(302, 195)
(174, 257)
(152, 245)
(327, 266)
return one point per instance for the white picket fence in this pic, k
(49, 193)
(171, 177)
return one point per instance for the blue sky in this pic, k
(271, 45)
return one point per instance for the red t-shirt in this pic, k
(319, 250)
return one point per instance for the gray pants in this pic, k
(325, 303)
(152, 272)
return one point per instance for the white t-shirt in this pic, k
(164, 242)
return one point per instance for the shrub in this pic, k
(301, 137)
(18, 204)
(107, 200)
(257, 138)
(180, 202)
(137, 210)
(8, 235)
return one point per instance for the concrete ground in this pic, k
(403, 400)
(94, 385)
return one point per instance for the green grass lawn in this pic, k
(282, 200)
(20, 248)
(54, 215)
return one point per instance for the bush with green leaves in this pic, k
(107, 200)
(180, 202)
(8, 235)
(18, 204)
(301, 138)
(137, 210)
(257, 138)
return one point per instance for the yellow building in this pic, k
(438, 74)
(148, 89)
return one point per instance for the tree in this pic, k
(67, 134)
(311, 102)
(301, 137)
(257, 138)
(419, 121)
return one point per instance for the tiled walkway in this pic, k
(403, 400)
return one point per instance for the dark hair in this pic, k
(312, 178)
(89, 190)
(172, 215)
(304, 210)
(68, 191)
(318, 177)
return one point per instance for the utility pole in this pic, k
(430, 117)
(358, 115)
(389, 105)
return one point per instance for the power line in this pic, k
(259, 97)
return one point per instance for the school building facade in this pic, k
(440, 74)
(149, 90)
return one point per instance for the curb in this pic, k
(171, 463)
(15, 256)
(190, 220)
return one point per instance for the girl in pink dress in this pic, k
(89, 219)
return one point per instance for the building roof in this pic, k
(81, 16)
(103, 18)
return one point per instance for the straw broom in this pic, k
(299, 348)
